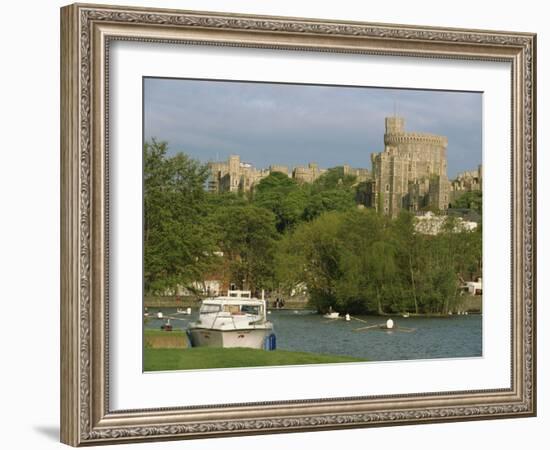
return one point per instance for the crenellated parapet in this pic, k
(394, 139)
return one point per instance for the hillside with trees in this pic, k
(288, 234)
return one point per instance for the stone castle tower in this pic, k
(411, 172)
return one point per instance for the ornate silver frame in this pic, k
(86, 31)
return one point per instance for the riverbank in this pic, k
(467, 303)
(153, 302)
(155, 359)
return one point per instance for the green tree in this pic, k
(334, 178)
(470, 200)
(381, 272)
(311, 255)
(359, 261)
(281, 195)
(328, 200)
(179, 243)
(247, 237)
(355, 290)
(219, 200)
(275, 181)
(406, 243)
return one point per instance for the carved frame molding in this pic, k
(86, 32)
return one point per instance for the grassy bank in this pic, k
(212, 358)
(170, 302)
(165, 339)
(185, 302)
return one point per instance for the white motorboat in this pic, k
(332, 315)
(235, 320)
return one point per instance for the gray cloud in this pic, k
(294, 124)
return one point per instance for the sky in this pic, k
(294, 124)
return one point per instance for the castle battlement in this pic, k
(235, 175)
(395, 139)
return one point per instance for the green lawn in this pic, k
(215, 358)
(158, 339)
(155, 332)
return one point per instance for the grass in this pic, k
(215, 358)
(159, 332)
(165, 339)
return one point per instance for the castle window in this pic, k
(387, 188)
(386, 209)
(387, 201)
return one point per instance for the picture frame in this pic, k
(87, 33)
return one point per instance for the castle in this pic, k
(411, 173)
(235, 175)
(466, 182)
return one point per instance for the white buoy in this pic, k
(389, 324)
(348, 318)
(188, 311)
(160, 315)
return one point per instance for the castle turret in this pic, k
(395, 125)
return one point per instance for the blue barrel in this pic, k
(270, 342)
(189, 341)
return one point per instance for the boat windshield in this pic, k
(251, 309)
(210, 309)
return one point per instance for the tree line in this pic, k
(284, 236)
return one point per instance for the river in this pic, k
(426, 337)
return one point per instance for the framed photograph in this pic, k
(276, 224)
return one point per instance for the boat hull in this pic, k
(332, 315)
(207, 337)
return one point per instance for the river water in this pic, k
(421, 338)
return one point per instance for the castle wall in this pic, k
(466, 182)
(234, 175)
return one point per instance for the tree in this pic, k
(381, 272)
(310, 254)
(179, 243)
(218, 200)
(283, 197)
(275, 181)
(328, 200)
(470, 200)
(355, 290)
(361, 262)
(334, 178)
(407, 245)
(247, 237)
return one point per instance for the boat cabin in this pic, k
(236, 303)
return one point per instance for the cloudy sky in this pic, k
(294, 124)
